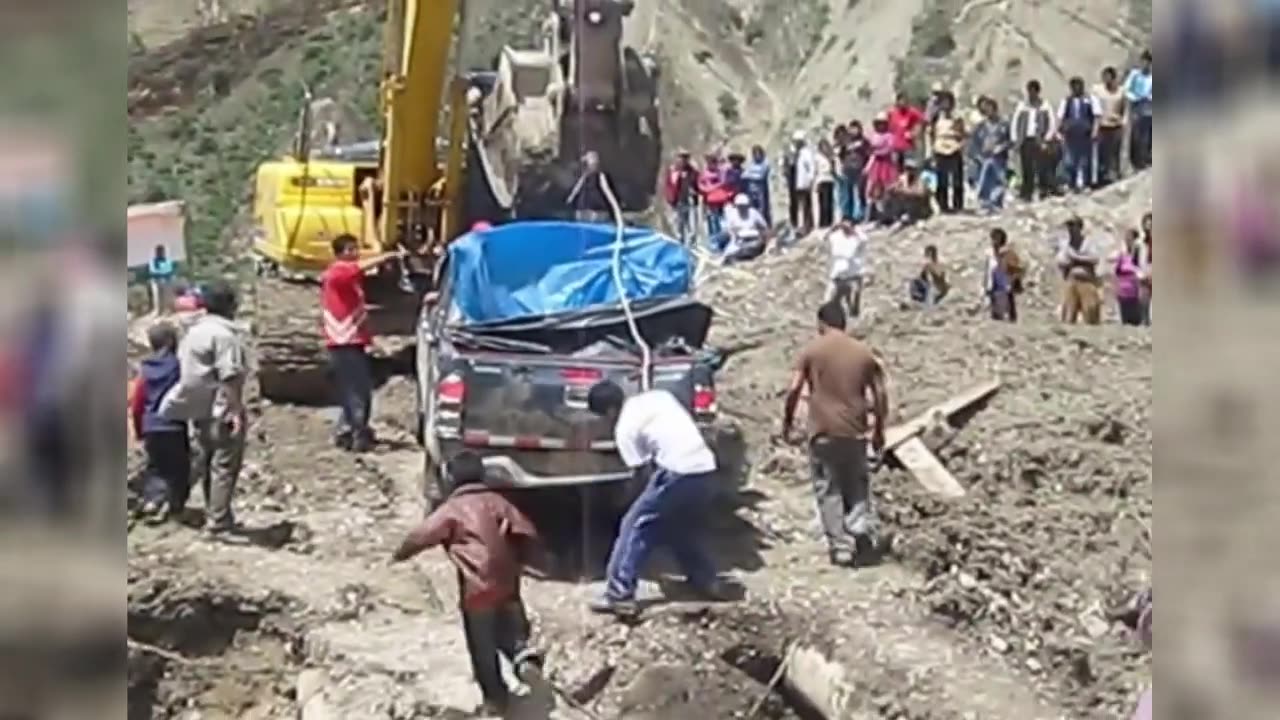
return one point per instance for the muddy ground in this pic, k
(991, 607)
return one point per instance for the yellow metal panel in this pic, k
(412, 95)
(300, 207)
(301, 241)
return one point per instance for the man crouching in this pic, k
(488, 539)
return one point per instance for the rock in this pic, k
(310, 682)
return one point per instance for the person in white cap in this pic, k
(802, 173)
(744, 233)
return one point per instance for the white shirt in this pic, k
(848, 253)
(211, 353)
(1032, 114)
(826, 169)
(654, 427)
(806, 168)
(744, 227)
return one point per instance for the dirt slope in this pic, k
(1058, 466)
(991, 607)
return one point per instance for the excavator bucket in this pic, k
(582, 91)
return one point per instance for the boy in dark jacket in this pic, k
(488, 539)
(167, 483)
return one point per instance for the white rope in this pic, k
(646, 356)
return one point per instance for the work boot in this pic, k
(525, 661)
(870, 550)
(342, 441)
(362, 441)
(156, 512)
(621, 609)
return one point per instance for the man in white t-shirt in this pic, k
(848, 245)
(743, 232)
(657, 436)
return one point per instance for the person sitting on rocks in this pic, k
(1078, 261)
(930, 286)
(744, 233)
(909, 200)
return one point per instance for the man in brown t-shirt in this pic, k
(845, 381)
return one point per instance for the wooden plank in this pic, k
(926, 467)
(899, 434)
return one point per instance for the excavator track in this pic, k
(292, 363)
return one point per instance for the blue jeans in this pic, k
(1140, 141)
(669, 512)
(993, 175)
(353, 378)
(758, 191)
(714, 217)
(686, 230)
(849, 198)
(1077, 160)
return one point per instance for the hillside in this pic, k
(991, 605)
(209, 100)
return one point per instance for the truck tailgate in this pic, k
(539, 402)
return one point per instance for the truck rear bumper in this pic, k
(505, 472)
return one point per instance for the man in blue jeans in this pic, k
(1078, 124)
(1137, 91)
(657, 437)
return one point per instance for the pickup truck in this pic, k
(525, 319)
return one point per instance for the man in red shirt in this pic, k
(344, 320)
(489, 540)
(905, 121)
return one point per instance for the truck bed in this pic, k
(525, 408)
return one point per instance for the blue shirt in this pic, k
(1137, 89)
(161, 268)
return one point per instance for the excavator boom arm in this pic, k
(416, 85)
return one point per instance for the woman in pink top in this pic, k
(1128, 285)
(714, 193)
(882, 169)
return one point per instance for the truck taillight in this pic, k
(451, 390)
(704, 400)
(581, 376)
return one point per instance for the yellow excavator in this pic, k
(455, 147)
(402, 192)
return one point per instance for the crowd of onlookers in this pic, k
(914, 161)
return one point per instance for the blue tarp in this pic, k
(533, 269)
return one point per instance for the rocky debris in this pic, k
(685, 663)
(1057, 468)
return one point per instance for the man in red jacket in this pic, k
(487, 539)
(682, 195)
(344, 319)
(905, 122)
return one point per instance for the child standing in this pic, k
(167, 483)
(848, 265)
(488, 540)
(1128, 284)
(1002, 279)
